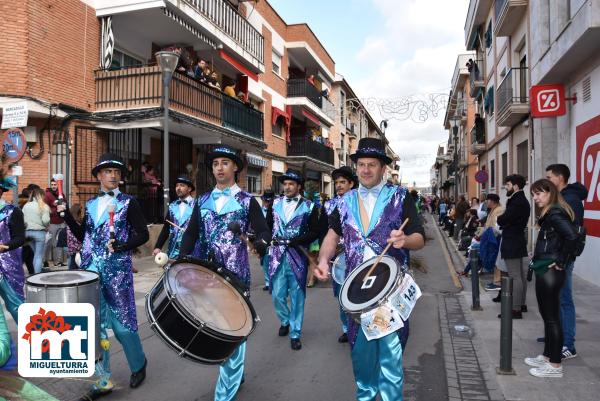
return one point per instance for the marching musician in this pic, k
(178, 218)
(368, 218)
(344, 180)
(12, 277)
(210, 225)
(110, 257)
(294, 221)
(267, 203)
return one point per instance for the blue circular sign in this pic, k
(14, 144)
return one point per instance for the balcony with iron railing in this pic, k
(509, 14)
(140, 88)
(513, 97)
(478, 142)
(303, 145)
(229, 21)
(476, 77)
(301, 87)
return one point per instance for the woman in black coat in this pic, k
(554, 249)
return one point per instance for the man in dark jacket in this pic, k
(513, 245)
(574, 194)
(57, 223)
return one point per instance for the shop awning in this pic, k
(256, 160)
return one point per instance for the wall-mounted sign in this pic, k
(14, 115)
(547, 100)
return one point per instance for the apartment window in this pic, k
(342, 107)
(492, 173)
(253, 176)
(276, 62)
(488, 36)
(277, 128)
(523, 159)
(488, 102)
(504, 171)
(122, 60)
(276, 185)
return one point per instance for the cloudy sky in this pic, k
(390, 50)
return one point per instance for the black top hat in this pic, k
(224, 151)
(345, 172)
(371, 147)
(293, 175)
(109, 160)
(184, 179)
(268, 194)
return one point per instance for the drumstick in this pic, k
(173, 224)
(382, 254)
(311, 261)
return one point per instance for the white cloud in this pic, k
(412, 54)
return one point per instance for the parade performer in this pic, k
(267, 203)
(368, 218)
(178, 218)
(344, 180)
(210, 227)
(113, 226)
(12, 238)
(12, 277)
(295, 223)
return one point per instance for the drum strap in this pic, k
(364, 216)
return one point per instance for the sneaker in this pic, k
(536, 362)
(568, 354)
(492, 287)
(546, 371)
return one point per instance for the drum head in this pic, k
(210, 299)
(338, 268)
(358, 296)
(62, 278)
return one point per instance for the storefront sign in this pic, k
(588, 171)
(14, 115)
(547, 100)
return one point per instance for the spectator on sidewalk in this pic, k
(56, 224)
(553, 252)
(73, 244)
(573, 194)
(36, 215)
(513, 244)
(494, 209)
(442, 209)
(462, 207)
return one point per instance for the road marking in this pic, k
(449, 263)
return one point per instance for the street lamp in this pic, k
(167, 61)
(455, 123)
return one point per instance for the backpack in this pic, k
(580, 244)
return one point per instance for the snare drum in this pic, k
(338, 268)
(200, 310)
(389, 285)
(66, 286)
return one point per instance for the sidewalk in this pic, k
(581, 381)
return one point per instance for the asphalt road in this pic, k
(320, 371)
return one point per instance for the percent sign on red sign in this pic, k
(547, 100)
(588, 171)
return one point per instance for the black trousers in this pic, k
(547, 291)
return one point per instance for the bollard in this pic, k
(506, 328)
(474, 261)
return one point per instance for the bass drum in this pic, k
(201, 311)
